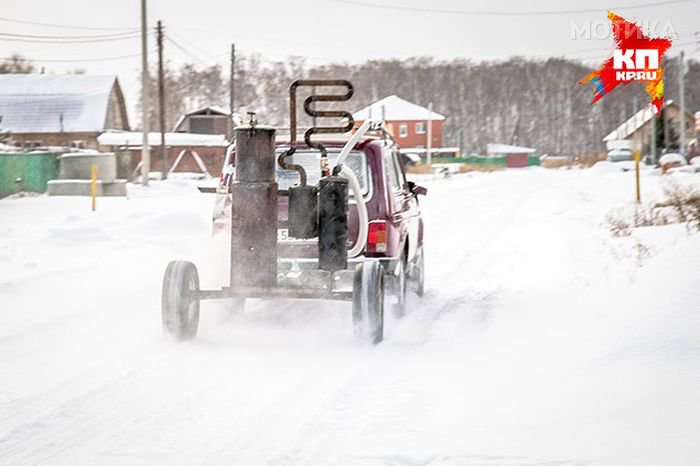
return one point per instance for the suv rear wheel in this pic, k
(399, 307)
(417, 275)
(368, 302)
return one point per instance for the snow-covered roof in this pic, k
(633, 123)
(42, 103)
(135, 139)
(395, 108)
(209, 109)
(508, 149)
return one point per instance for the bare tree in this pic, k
(16, 64)
(481, 100)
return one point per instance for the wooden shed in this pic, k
(516, 156)
(205, 120)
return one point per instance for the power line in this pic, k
(266, 56)
(5, 37)
(216, 58)
(77, 60)
(606, 54)
(503, 13)
(41, 36)
(64, 26)
(184, 50)
(192, 45)
(598, 49)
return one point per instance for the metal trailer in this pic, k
(318, 211)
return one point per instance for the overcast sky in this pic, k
(328, 30)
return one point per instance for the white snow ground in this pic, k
(541, 340)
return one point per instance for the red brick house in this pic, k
(406, 121)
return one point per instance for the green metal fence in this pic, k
(493, 161)
(27, 172)
(533, 160)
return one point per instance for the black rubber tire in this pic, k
(398, 309)
(368, 302)
(421, 274)
(418, 277)
(179, 305)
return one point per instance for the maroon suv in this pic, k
(395, 228)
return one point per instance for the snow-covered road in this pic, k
(541, 340)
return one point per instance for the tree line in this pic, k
(535, 103)
(531, 102)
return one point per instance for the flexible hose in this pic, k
(363, 219)
(350, 145)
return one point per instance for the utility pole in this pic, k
(681, 120)
(161, 101)
(383, 120)
(429, 136)
(664, 121)
(232, 78)
(145, 101)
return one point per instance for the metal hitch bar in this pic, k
(277, 292)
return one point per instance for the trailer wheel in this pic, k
(179, 304)
(368, 302)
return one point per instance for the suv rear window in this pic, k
(310, 160)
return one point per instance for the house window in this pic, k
(420, 127)
(403, 130)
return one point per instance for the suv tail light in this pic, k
(376, 236)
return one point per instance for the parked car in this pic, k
(395, 227)
(671, 160)
(620, 155)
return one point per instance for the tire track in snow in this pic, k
(276, 388)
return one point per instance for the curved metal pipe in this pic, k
(292, 136)
(308, 108)
(312, 112)
(292, 166)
